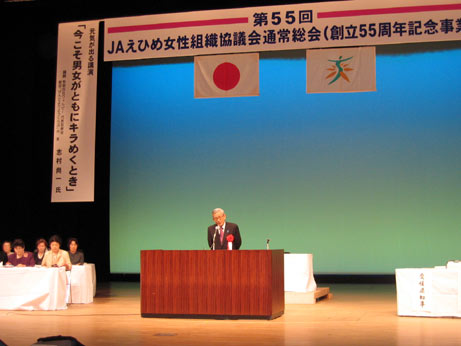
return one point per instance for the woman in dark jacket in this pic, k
(3, 258)
(41, 247)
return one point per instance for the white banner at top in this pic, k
(299, 26)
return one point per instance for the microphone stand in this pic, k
(214, 238)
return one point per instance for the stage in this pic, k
(355, 315)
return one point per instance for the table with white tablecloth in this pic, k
(430, 292)
(81, 284)
(30, 288)
(299, 273)
(40, 288)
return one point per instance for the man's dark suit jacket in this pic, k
(231, 228)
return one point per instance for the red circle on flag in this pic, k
(226, 76)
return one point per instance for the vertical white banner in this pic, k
(75, 113)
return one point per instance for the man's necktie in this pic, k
(221, 234)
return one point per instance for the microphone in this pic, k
(267, 244)
(214, 237)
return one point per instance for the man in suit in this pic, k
(221, 230)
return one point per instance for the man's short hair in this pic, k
(217, 210)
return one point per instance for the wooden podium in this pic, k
(212, 284)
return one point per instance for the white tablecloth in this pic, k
(30, 288)
(81, 286)
(299, 273)
(433, 292)
(454, 265)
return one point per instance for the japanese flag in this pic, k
(227, 75)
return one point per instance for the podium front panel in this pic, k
(200, 283)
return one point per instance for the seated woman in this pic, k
(21, 258)
(56, 257)
(41, 247)
(7, 248)
(76, 256)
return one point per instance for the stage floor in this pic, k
(355, 315)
